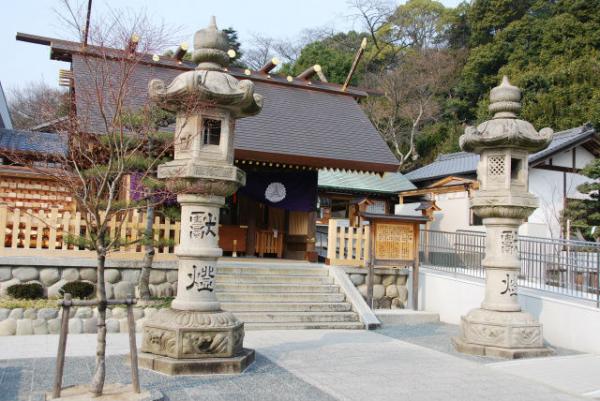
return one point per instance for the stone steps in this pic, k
(274, 296)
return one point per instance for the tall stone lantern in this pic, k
(500, 328)
(195, 335)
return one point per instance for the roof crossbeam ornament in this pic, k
(269, 65)
(311, 71)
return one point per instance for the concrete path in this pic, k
(353, 365)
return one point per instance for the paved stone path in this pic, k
(309, 365)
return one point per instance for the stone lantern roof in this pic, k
(208, 83)
(505, 130)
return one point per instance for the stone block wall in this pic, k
(390, 289)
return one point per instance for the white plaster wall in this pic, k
(566, 323)
(455, 213)
(565, 159)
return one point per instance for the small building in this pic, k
(554, 176)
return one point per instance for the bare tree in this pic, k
(411, 97)
(37, 103)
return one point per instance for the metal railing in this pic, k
(561, 266)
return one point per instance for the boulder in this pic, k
(397, 304)
(119, 312)
(4, 312)
(25, 273)
(139, 325)
(363, 290)
(174, 288)
(75, 326)
(378, 291)
(157, 276)
(53, 290)
(5, 284)
(403, 293)
(53, 326)
(172, 276)
(40, 326)
(84, 312)
(391, 291)
(377, 278)
(138, 313)
(90, 325)
(385, 303)
(161, 290)
(49, 276)
(112, 276)
(110, 290)
(149, 312)
(16, 313)
(8, 327)
(132, 275)
(123, 325)
(357, 279)
(88, 274)
(401, 279)
(112, 325)
(47, 313)
(388, 279)
(123, 289)
(70, 274)
(24, 327)
(5, 273)
(30, 313)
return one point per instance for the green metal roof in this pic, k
(389, 183)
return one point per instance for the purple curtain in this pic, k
(287, 190)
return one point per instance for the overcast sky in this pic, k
(25, 62)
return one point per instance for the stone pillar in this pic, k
(195, 335)
(500, 328)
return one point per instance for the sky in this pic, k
(26, 62)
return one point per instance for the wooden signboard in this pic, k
(394, 241)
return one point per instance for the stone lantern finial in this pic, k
(210, 47)
(505, 100)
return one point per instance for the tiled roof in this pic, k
(389, 183)
(30, 141)
(463, 163)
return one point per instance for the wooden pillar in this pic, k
(415, 281)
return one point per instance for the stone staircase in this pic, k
(294, 295)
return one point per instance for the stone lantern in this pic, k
(195, 335)
(500, 327)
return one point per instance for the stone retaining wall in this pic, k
(82, 319)
(119, 281)
(389, 286)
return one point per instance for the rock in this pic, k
(161, 290)
(172, 276)
(53, 290)
(397, 304)
(90, 325)
(25, 273)
(70, 274)
(4, 312)
(376, 278)
(8, 327)
(5, 273)
(40, 326)
(138, 313)
(112, 275)
(357, 279)
(53, 326)
(385, 303)
(112, 325)
(139, 325)
(123, 325)
(132, 275)
(88, 274)
(378, 291)
(75, 326)
(123, 289)
(5, 284)
(30, 313)
(110, 290)
(84, 312)
(157, 276)
(49, 276)
(388, 279)
(149, 312)
(119, 312)
(24, 327)
(47, 313)
(174, 288)
(16, 313)
(401, 279)
(375, 304)
(363, 290)
(391, 291)
(403, 293)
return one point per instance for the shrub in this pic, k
(26, 291)
(78, 289)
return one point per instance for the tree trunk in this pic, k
(144, 283)
(100, 372)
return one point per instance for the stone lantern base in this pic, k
(193, 342)
(508, 335)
